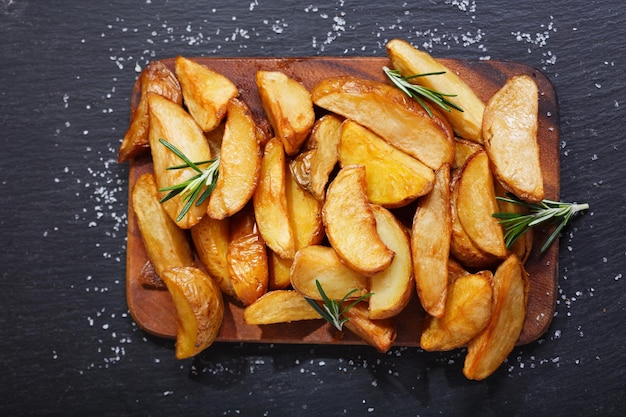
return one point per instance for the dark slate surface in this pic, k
(68, 345)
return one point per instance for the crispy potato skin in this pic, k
(377, 333)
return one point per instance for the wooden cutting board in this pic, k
(153, 310)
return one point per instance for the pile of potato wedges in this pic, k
(321, 192)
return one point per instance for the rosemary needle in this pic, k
(419, 92)
(197, 188)
(516, 224)
(331, 310)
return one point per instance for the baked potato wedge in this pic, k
(377, 333)
(463, 149)
(467, 311)
(205, 92)
(199, 309)
(313, 166)
(487, 351)
(165, 243)
(410, 61)
(350, 223)
(169, 121)
(430, 244)
(270, 202)
(155, 78)
(288, 106)
(388, 112)
(393, 177)
(476, 203)
(240, 163)
(392, 287)
(279, 268)
(510, 133)
(280, 306)
(210, 239)
(247, 257)
(321, 263)
(304, 212)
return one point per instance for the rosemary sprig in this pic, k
(331, 310)
(516, 224)
(197, 188)
(419, 92)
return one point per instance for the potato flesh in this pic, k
(278, 271)
(199, 308)
(166, 244)
(350, 223)
(410, 61)
(304, 212)
(240, 163)
(280, 306)
(392, 287)
(389, 113)
(394, 178)
(158, 79)
(169, 121)
(430, 244)
(487, 351)
(206, 92)
(321, 263)
(510, 133)
(210, 238)
(377, 333)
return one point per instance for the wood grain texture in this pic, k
(153, 310)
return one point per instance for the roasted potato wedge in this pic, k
(171, 122)
(279, 268)
(304, 213)
(476, 203)
(391, 114)
(270, 202)
(288, 106)
(350, 223)
(510, 134)
(523, 245)
(280, 306)
(487, 351)
(240, 163)
(206, 92)
(392, 287)
(463, 149)
(158, 79)
(394, 178)
(410, 61)
(199, 309)
(321, 263)
(247, 257)
(377, 333)
(166, 244)
(467, 312)
(430, 244)
(210, 238)
(313, 166)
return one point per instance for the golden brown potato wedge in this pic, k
(156, 78)
(463, 149)
(247, 257)
(476, 203)
(166, 244)
(210, 238)
(455, 270)
(430, 244)
(467, 312)
(312, 167)
(523, 246)
(394, 178)
(304, 213)
(199, 309)
(279, 269)
(321, 263)
(510, 134)
(392, 287)
(487, 351)
(240, 163)
(270, 202)
(410, 61)
(206, 92)
(169, 121)
(280, 306)
(377, 333)
(288, 106)
(351, 225)
(391, 114)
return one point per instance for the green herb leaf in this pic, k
(331, 310)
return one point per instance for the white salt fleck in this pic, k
(166, 393)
